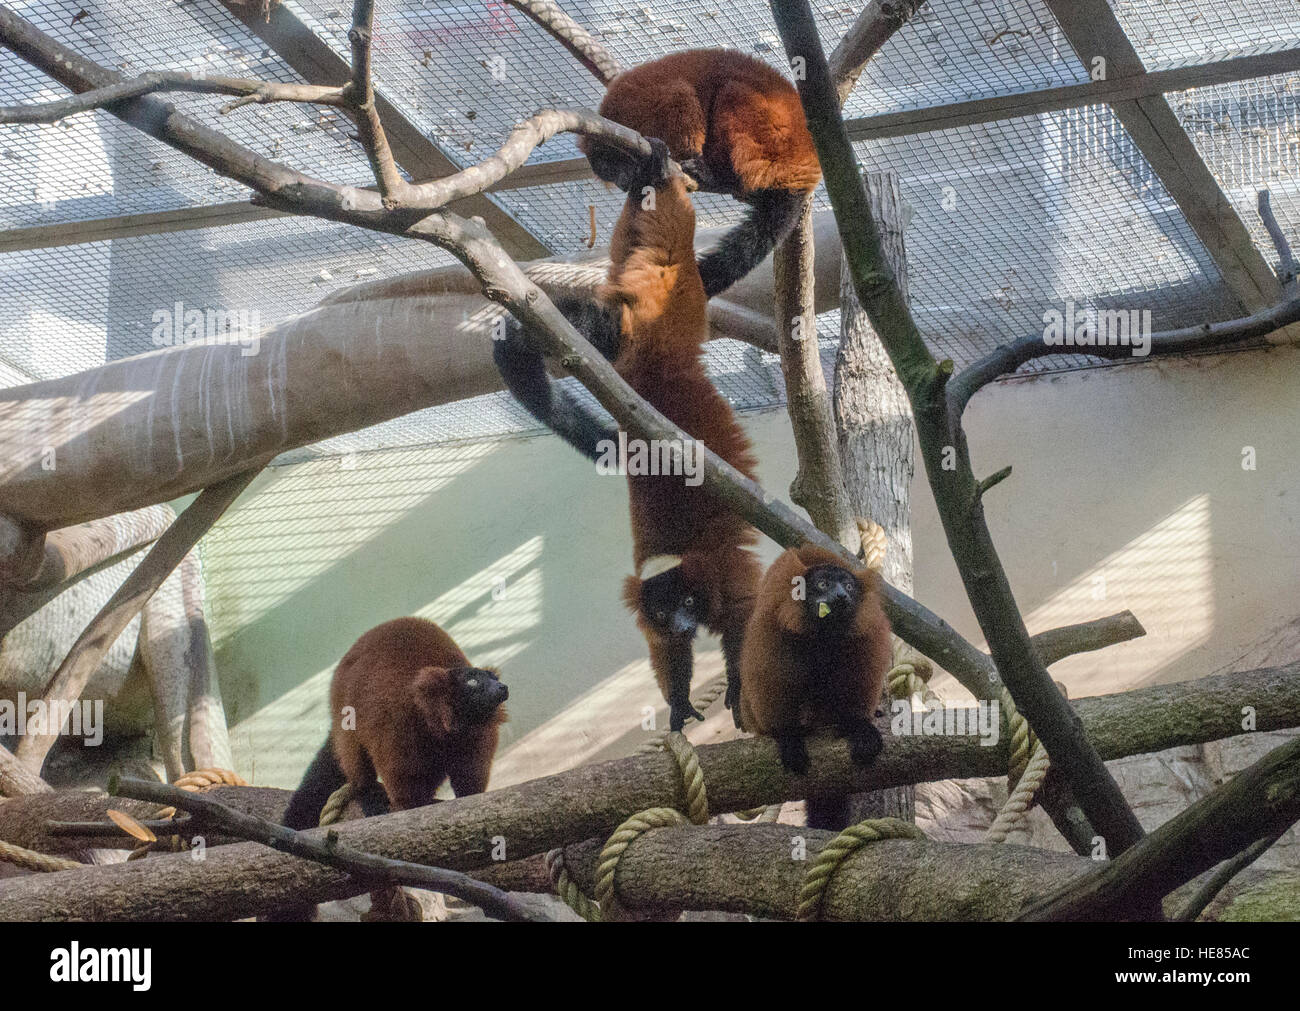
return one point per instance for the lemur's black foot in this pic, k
(732, 702)
(794, 753)
(680, 712)
(865, 742)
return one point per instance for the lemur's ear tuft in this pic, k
(657, 565)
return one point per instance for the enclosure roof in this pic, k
(1030, 178)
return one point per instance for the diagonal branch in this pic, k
(82, 660)
(943, 446)
(573, 37)
(327, 850)
(879, 20)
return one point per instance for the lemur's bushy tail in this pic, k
(525, 375)
(321, 779)
(771, 216)
(828, 812)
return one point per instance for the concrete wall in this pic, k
(1128, 491)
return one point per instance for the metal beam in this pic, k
(316, 62)
(890, 124)
(1093, 31)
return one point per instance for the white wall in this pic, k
(1127, 484)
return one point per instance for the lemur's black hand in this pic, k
(654, 170)
(794, 753)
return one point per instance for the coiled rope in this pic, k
(823, 869)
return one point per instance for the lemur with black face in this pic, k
(407, 708)
(816, 653)
(691, 553)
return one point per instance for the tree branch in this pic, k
(1286, 260)
(1259, 803)
(1006, 358)
(244, 879)
(573, 37)
(70, 679)
(943, 443)
(368, 867)
(877, 23)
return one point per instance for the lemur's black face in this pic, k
(832, 598)
(478, 693)
(671, 605)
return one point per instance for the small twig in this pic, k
(1229, 870)
(327, 850)
(995, 478)
(98, 637)
(1286, 261)
(161, 827)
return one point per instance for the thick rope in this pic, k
(335, 804)
(697, 801)
(201, 779)
(874, 543)
(1027, 767)
(623, 837)
(567, 889)
(839, 849)
(45, 863)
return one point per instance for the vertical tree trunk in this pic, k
(876, 433)
(819, 484)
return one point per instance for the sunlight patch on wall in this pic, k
(1164, 577)
(310, 517)
(488, 613)
(270, 745)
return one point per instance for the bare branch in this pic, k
(955, 490)
(573, 37)
(1259, 803)
(1069, 640)
(879, 20)
(245, 879)
(82, 660)
(367, 866)
(1286, 261)
(1006, 358)
(250, 91)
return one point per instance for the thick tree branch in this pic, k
(82, 660)
(244, 879)
(943, 445)
(368, 867)
(1257, 804)
(877, 23)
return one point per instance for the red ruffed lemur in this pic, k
(693, 566)
(737, 126)
(407, 706)
(816, 653)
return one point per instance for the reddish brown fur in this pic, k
(664, 325)
(773, 695)
(732, 110)
(395, 678)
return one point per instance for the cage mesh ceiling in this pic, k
(1005, 219)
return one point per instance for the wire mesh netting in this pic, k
(1007, 220)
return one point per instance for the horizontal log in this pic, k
(246, 879)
